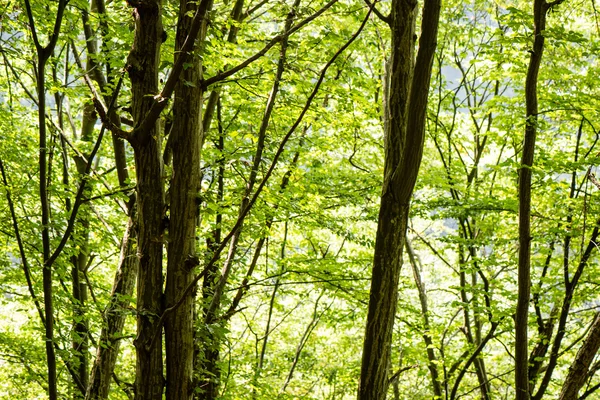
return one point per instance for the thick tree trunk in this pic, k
(382, 302)
(142, 67)
(578, 372)
(185, 143)
(149, 364)
(148, 343)
(406, 104)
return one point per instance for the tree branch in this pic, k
(384, 18)
(79, 196)
(225, 74)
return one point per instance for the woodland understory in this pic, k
(299, 199)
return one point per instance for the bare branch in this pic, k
(79, 196)
(223, 75)
(384, 18)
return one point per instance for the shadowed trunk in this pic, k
(114, 316)
(407, 88)
(43, 55)
(185, 142)
(433, 362)
(540, 8)
(142, 66)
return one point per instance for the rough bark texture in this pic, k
(522, 312)
(142, 66)
(578, 372)
(107, 352)
(185, 142)
(406, 103)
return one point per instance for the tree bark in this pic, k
(185, 141)
(142, 66)
(578, 372)
(79, 286)
(405, 108)
(43, 54)
(79, 261)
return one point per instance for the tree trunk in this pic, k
(578, 372)
(185, 142)
(406, 102)
(114, 317)
(142, 66)
(125, 276)
(433, 363)
(43, 54)
(79, 261)
(540, 8)
(210, 370)
(80, 325)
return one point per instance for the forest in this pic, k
(299, 199)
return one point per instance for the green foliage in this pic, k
(308, 292)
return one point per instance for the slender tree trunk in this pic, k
(406, 102)
(570, 286)
(47, 272)
(185, 142)
(433, 370)
(263, 349)
(142, 66)
(303, 340)
(43, 54)
(114, 316)
(80, 325)
(540, 8)
(212, 351)
(79, 261)
(211, 104)
(124, 281)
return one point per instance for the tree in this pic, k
(540, 8)
(406, 90)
